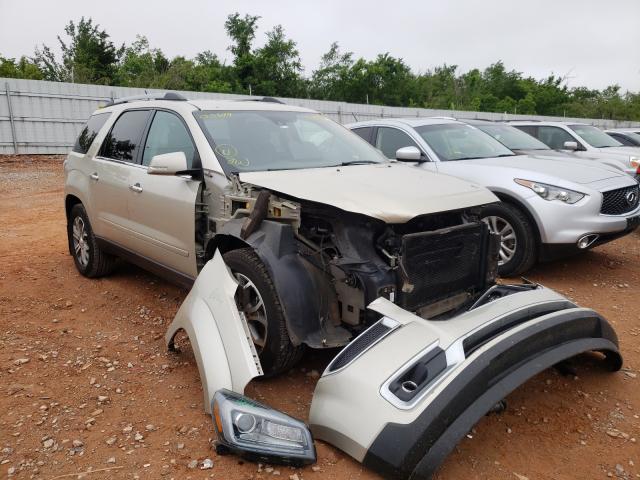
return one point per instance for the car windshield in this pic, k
(594, 136)
(513, 138)
(455, 141)
(247, 141)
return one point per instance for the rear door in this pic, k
(111, 173)
(162, 207)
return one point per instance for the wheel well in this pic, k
(516, 203)
(224, 243)
(69, 202)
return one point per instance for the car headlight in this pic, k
(634, 162)
(260, 433)
(551, 192)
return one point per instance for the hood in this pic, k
(620, 151)
(391, 191)
(541, 168)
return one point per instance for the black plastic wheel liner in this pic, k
(415, 451)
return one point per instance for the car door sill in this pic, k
(159, 269)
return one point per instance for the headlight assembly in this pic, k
(260, 433)
(551, 192)
(634, 162)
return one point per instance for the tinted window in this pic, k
(89, 132)
(365, 133)
(166, 135)
(389, 140)
(554, 137)
(622, 139)
(123, 141)
(533, 131)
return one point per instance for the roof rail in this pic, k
(263, 99)
(150, 96)
(523, 120)
(442, 117)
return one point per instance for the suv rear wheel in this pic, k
(517, 238)
(258, 300)
(90, 260)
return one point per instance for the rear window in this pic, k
(89, 132)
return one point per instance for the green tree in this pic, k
(242, 31)
(88, 56)
(23, 68)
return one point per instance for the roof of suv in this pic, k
(411, 122)
(199, 104)
(544, 122)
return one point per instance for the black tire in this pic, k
(278, 354)
(96, 263)
(525, 239)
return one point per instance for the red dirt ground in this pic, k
(67, 340)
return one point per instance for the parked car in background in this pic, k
(523, 143)
(549, 208)
(584, 140)
(625, 137)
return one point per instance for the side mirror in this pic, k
(408, 154)
(168, 164)
(571, 146)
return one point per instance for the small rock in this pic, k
(207, 464)
(138, 437)
(619, 469)
(21, 361)
(268, 469)
(180, 446)
(520, 477)
(110, 441)
(77, 443)
(48, 443)
(313, 374)
(315, 468)
(102, 398)
(127, 429)
(183, 429)
(150, 427)
(192, 464)
(111, 460)
(294, 477)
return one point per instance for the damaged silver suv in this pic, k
(294, 231)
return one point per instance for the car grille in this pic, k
(620, 201)
(439, 264)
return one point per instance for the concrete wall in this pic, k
(45, 117)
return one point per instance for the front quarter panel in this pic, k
(218, 333)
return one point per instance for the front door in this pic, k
(162, 207)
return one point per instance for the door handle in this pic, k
(94, 176)
(136, 188)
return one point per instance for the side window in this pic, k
(554, 137)
(533, 131)
(389, 140)
(364, 132)
(622, 139)
(166, 135)
(89, 132)
(123, 141)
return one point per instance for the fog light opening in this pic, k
(586, 241)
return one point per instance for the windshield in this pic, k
(455, 141)
(594, 136)
(248, 141)
(513, 138)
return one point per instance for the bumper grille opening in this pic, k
(620, 201)
(354, 349)
(442, 263)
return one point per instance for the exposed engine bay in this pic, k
(432, 265)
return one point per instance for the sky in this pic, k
(592, 43)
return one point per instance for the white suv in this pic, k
(585, 141)
(313, 221)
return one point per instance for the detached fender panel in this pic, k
(406, 434)
(218, 332)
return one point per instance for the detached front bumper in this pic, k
(454, 371)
